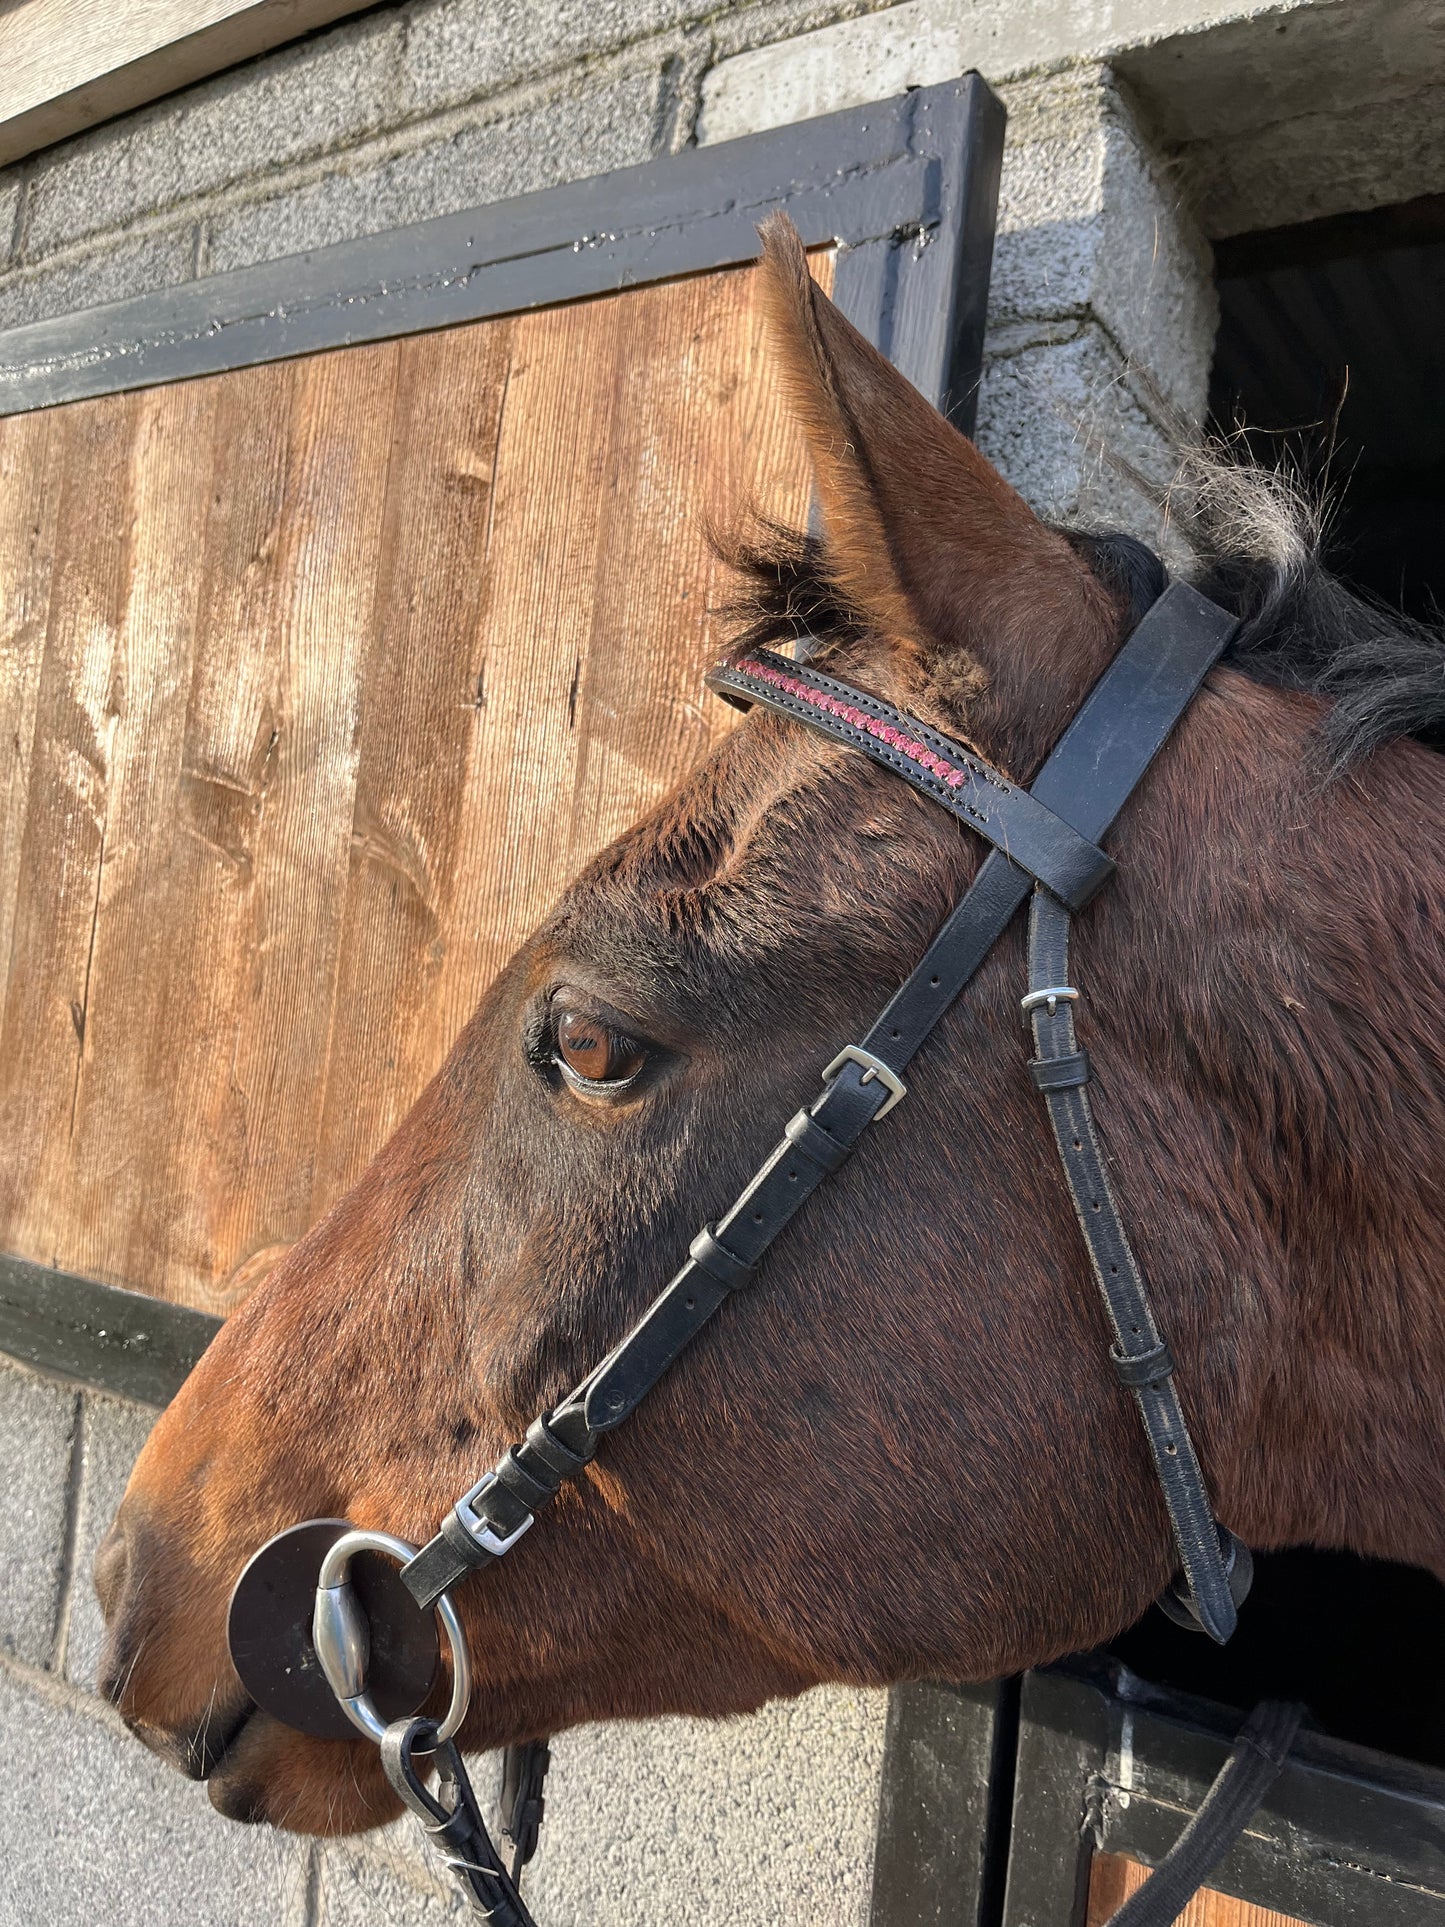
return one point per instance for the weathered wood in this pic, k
(1113, 1878)
(66, 64)
(324, 677)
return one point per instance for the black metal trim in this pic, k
(944, 1802)
(116, 1341)
(906, 186)
(1108, 1763)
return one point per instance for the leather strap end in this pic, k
(1143, 1368)
(807, 1135)
(717, 1261)
(1060, 1073)
(442, 1562)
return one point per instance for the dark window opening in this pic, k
(1331, 347)
(1361, 1642)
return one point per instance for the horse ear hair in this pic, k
(962, 580)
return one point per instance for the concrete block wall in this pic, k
(1100, 328)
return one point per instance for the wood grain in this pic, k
(1112, 1879)
(322, 679)
(66, 64)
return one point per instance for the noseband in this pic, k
(1044, 844)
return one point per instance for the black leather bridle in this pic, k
(1045, 845)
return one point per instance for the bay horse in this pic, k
(902, 1453)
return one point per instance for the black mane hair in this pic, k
(1258, 540)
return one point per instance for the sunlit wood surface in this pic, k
(318, 681)
(1112, 1879)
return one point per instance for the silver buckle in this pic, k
(481, 1530)
(874, 1070)
(1053, 995)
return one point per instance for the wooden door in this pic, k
(318, 680)
(1113, 1878)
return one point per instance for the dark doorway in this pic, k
(1332, 346)
(1361, 1642)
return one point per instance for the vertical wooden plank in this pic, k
(62, 850)
(226, 763)
(542, 563)
(270, 775)
(422, 694)
(29, 502)
(114, 1182)
(1112, 1878)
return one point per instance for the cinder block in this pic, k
(610, 126)
(1342, 155)
(37, 1433)
(1051, 414)
(111, 272)
(923, 42)
(11, 189)
(460, 50)
(301, 102)
(95, 1829)
(654, 1820)
(774, 1815)
(1090, 224)
(112, 1434)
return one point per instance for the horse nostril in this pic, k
(108, 1570)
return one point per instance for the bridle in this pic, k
(1044, 845)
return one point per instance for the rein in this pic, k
(1045, 845)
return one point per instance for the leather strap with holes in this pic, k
(1140, 1357)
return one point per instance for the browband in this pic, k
(1026, 830)
(1044, 841)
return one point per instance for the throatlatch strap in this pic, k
(1140, 1356)
(1092, 771)
(1254, 1764)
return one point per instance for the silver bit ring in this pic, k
(342, 1636)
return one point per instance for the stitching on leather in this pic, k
(881, 739)
(813, 679)
(878, 727)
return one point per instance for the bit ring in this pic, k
(342, 1636)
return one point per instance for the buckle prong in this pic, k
(1052, 994)
(483, 1531)
(874, 1071)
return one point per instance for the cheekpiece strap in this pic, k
(1051, 850)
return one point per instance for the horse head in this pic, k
(901, 1452)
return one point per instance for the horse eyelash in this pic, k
(594, 1084)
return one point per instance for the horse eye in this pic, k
(595, 1053)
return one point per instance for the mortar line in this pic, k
(65, 1592)
(311, 1887)
(56, 1691)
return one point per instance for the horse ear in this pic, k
(977, 601)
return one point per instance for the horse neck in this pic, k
(1345, 1444)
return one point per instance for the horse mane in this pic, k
(1258, 535)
